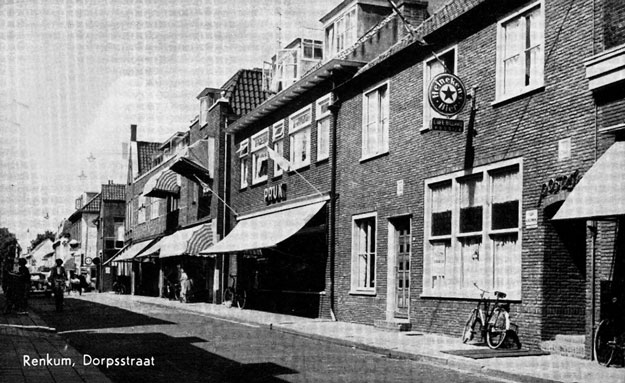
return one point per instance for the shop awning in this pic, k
(267, 230)
(162, 184)
(186, 242)
(128, 252)
(194, 162)
(601, 192)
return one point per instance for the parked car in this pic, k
(39, 284)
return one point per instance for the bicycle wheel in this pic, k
(241, 299)
(229, 295)
(497, 328)
(469, 327)
(604, 337)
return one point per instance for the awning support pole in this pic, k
(205, 186)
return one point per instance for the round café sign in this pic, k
(447, 94)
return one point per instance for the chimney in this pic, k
(414, 11)
(133, 133)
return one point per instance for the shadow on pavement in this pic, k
(83, 315)
(175, 359)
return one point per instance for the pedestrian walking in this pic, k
(185, 286)
(58, 279)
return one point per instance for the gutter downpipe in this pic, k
(593, 224)
(334, 109)
(224, 217)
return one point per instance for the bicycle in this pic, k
(610, 339)
(235, 294)
(494, 325)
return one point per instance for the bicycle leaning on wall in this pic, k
(610, 338)
(235, 295)
(491, 321)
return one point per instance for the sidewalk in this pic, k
(27, 335)
(412, 345)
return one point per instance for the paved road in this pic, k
(196, 348)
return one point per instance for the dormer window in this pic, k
(341, 33)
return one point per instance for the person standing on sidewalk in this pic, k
(23, 286)
(58, 278)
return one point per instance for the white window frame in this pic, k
(155, 204)
(278, 140)
(323, 152)
(500, 93)
(295, 132)
(257, 151)
(451, 287)
(341, 38)
(356, 288)
(244, 150)
(428, 112)
(384, 147)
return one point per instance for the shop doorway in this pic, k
(399, 266)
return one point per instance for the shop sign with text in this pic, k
(275, 193)
(447, 94)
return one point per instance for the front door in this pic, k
(402, 267)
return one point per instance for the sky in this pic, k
(75, 74)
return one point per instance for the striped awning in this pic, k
(184, 242)
(162, 184)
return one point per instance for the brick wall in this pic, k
(528, 127)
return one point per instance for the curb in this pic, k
(450, 362)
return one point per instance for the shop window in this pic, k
(375, 121)
(432, 68)
(260, 158)
(323, 118)
(520, 52)
(363, 253)
(299, 133)
(278, 145)
(472, 232)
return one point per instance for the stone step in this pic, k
(566, 345)
(393, 324)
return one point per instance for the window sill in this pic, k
(322, 160)
(370, 293)
(373, 156)
(524, 93)
(465, 297)
(258, 182)
(299, 168)
(243, 187)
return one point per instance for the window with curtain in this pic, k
(299, 131)
(322, 116)
(260, 157)
(473, 232)
(278, 145)
(520, 52)
(375, 121)
(364, 253)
